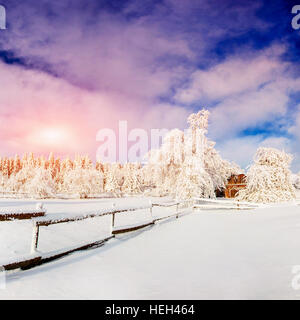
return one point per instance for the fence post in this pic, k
(113, 217)
(177, 207)
(35, 237)
(151, 206)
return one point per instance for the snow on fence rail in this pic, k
(224, 204)
(20, 214)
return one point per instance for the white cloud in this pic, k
(249, 109)
(295, 129)
(234, 76)
(242, 150)
(245, 90)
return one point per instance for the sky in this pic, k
(70, 68)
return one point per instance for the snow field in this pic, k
(205, 255)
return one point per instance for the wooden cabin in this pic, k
(235, 183)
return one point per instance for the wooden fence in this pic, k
(21, 215)
(36, 258)
(181, 207)
(201, 203)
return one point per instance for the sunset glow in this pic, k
(52, 137)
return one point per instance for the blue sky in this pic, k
(83, 65)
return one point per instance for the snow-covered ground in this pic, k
(208, 254)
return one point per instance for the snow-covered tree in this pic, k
(172, 157)
(218, 169)
(164, 164)
(32, 182)
(187, 165)
(3, 183)
(132, 178)
(40, 184)
(203, 171)
(83, 182)
(193, 180)
(65, 165)
(113, 178)
(269, 178)
(184, 166)
(296, 180)
(152, 173)
(5, 167)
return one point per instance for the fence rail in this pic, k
(201, 203)
(20, 215)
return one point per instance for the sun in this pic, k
(50, 137)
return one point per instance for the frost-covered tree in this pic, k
(132, 178)
(40, 184)
(203, 171)
(152, 173)
(296, 180)
(193, 180)
(32, 182)
(83, 182)
(269, 178)
(3, 183)
(5, 167)
(30, 176)
(187, 165)
(78, 177)
(65, 165)
(163, 165)
(172, 158)
(113, 178)
(218, 169)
